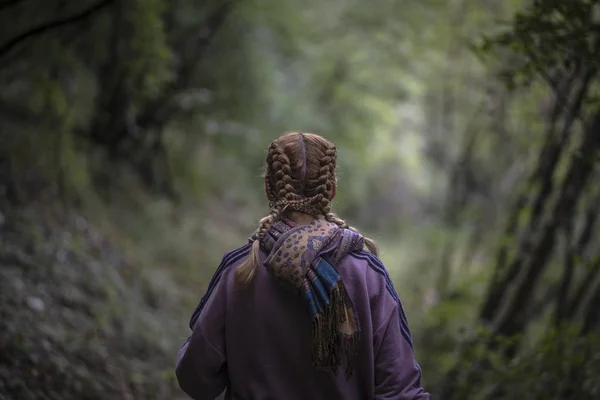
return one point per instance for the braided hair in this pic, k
(299, 176)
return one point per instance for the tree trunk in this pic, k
(543, 175)
(512, 320)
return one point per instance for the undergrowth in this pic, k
(89, 309)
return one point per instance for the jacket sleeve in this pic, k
(201, 367)
(397, 374)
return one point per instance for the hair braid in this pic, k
(245, 272)
(268, 187)
(278, 178)
(266, 222)
(321, 201)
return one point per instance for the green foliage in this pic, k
(147, 53)
(562, 364)
(545, 36)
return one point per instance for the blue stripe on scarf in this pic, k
(314, 306)
(227, 260)
(320, 280)
(375, 263)
(326, 273)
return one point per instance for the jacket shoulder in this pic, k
(228, 259)
(369, 261)
(373, 270)
(234, 255)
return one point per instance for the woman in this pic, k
(251, 332)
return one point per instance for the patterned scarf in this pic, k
(303, 259)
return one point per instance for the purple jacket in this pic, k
(255, 341)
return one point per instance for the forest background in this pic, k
(132, 141)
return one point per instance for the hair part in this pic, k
(299, 176)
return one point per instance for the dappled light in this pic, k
(133, 138)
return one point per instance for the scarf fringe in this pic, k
(329, 344)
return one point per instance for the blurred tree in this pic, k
(141, 82)
(559, 43)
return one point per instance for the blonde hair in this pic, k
(299, 176)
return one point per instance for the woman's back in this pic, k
(266, 338)
(302, 311)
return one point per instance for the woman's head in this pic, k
(300, 173)
(299, 176)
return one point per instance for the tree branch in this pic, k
(583, 289)
(162, 109)
(591, 317)
(543, 175)
(567, 277)
(512, 321)
(40, 29)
